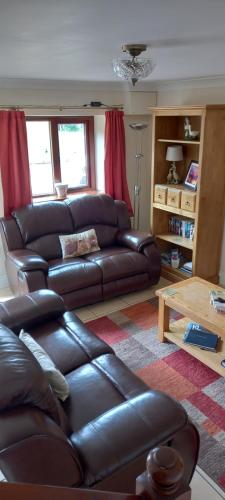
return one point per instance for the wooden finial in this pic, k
(163, 477)
(165, 469)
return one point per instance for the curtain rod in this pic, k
(56, 106)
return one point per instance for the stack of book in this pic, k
(181, 227)
(217, 299)
(197, 335)
(187, 268)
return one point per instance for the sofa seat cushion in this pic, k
(68, 275)
(106, 376)
(118, 262)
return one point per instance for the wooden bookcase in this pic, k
(209, 151)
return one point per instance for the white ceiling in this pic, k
(77, 39)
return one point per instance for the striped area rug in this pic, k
(132, 332)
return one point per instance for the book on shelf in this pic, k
(187, 268)
(217, 299)
(196, 334)
(181, 227)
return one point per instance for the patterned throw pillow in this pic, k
(74, 245)
(55, 378)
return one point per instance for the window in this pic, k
(61, 150)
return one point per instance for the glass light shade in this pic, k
(133, 69)
(138, 126)
(174, 153)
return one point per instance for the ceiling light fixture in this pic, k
(135, 68)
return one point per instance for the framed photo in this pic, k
(192, 176)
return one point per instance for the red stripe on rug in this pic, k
(192, 369)
(144, 314)
(158, 375)
(210, 408)
(106, 330)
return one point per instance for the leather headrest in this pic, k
(34, 221)
(88, 210)
(31, 310)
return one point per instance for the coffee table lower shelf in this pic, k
(211, 359)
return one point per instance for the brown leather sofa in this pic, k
(128, 260)
(101, 435)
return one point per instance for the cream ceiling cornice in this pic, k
(112, 87)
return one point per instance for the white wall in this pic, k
(201, 95)
(99, 127)
(135, 105)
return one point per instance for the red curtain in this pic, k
(14, 161)
(115, 158)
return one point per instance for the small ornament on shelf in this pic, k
(175, 259)
(172, 177)
(187, 128)
(189, 135)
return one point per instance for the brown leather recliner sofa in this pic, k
(100, 436)
(128, 260)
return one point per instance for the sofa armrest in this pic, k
(26, 260)
(31, 309)
(41, 460)
(135, 240)
(128, 431)
(34, 449)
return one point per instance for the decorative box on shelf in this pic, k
(188, 200)
(160, 195)
(173, 197)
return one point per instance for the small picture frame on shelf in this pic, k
(192, 176)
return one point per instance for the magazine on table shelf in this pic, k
(196, 334)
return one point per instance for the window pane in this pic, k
(73, 154)
(40, 157)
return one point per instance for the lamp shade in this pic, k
(174, 153)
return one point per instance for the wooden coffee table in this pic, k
(191, 298)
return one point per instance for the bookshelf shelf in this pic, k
(169, 271)
(208, 216)
(173, 210)
(176, 240)
(178, 141)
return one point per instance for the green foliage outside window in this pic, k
(70, 127)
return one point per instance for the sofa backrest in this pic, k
(98, 212)
(23, 382)
(40, 225)
(37, 227)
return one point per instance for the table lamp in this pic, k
(173, 154)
